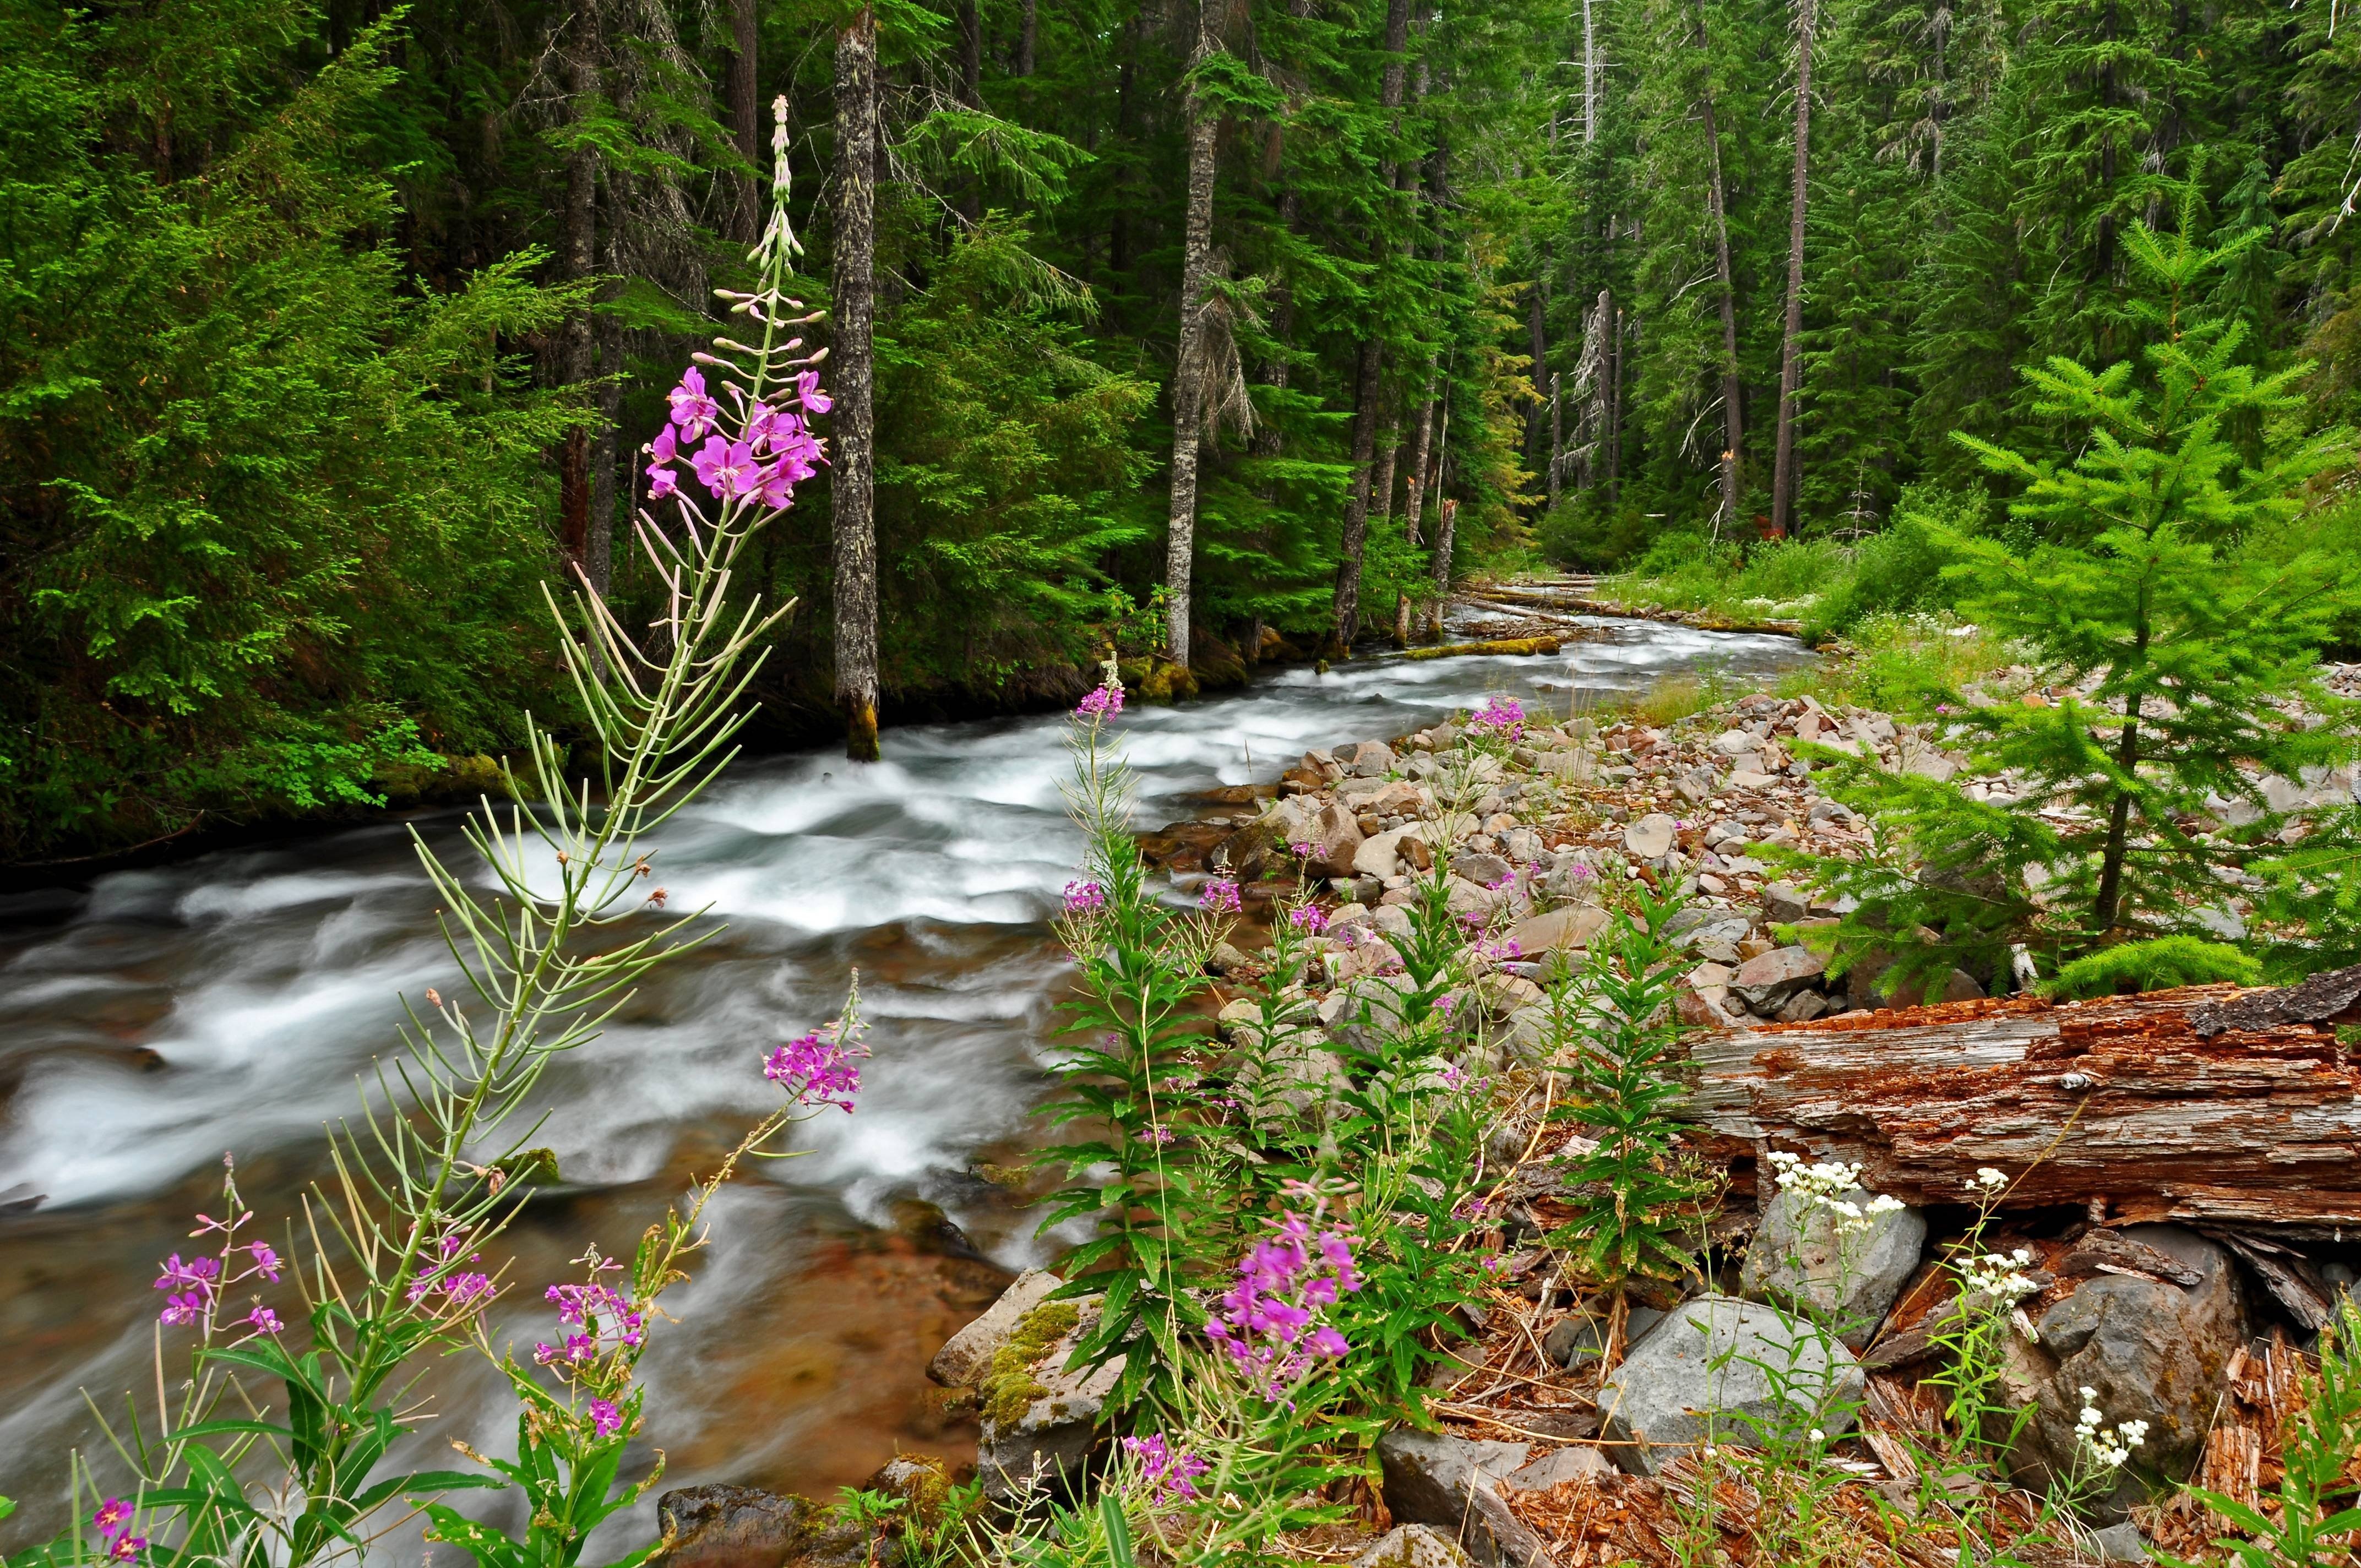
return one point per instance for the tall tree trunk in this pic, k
(1589, 80)
(574, 474)
(1717, 214)
(1344, 607)
(598, 563)
(1422, 440)
(1557, 433)
(1791, 351)
(1189, 372)
(1446, 525)
(743, 98)
(852, 475)
(1537, 344)
(1614, 400)
(1029, 39)
(970, 93)
(1381, 482)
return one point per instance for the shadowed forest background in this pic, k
(329, 334)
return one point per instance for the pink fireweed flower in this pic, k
(1504, 716)
(263, 1321)
(1158, 1135)
(1084, 897)
(266, 1262)
(113, 1518)
(1306, 851)
(662, 480)
(1268, 1321)
(1311, 920)
(197, 1275)
(1102, 703)
(815, 1070)
(125, 1548)
(727, 468)
(1219, 897)
(692, 410)
(606, 1417)
(1167, 1472)
(780, 479)
(181, 1312)
(808, 394)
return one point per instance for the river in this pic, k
(160, 1018)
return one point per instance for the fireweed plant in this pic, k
(302, 1371)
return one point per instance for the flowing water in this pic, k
(161, 1017)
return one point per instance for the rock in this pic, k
(1929, 763)
(1237, 1014)
(1704, 1375)
(1735, 743)
(1558, 931)
(1577, 765)
(1523, 846)
(1413, 1546)
(1559, 1466)
(1578, 1339)
(1369, 760)
(1849, 1277)
(1784, 904)
(1696, 785)
(1040, 1431)
(1381, 857)
(966, 1357)
(1652, 836)
(1749, 778)
(1294, 1078)
(1962, 986)
(1765, 980)
(2120, 1543)
(1802, 1007)
(1482, 869)
(1336, 829)
(733, 1527)
(1454, 1482)
(2151, 1351)
(1228, 959)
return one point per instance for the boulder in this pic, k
(2150, 1350)
(733, 1527)
(1721, 1370)
(1846, 1275)
(1482, 869)
(1413, 1546)
(1040, 1419)
(1454, 1482)
(1369, 760)
(1382, 856)
(1578, 1339)
(1785, 906)
(1558, 931)
(1560, 1465)
(1734, 743)
(1294, 1078)
(1650, 835)
(966, 1357)
(1336, 830)
(1766, 979)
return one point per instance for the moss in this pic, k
(1010, 1387)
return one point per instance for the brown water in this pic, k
(163, 1017)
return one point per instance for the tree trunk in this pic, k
(1589, 80)
(1446, 524)
(852, 365)
(1029, 39)
(1381, 484)
(1614, 401)
(1791, 351)
(1422, 438)
(1345, 608)
(1731, 390)
(575, 482)
(598, 553)
(743, 96)
(1537, 344)
(2198, 1106)
(970, 93)
(1557, 433)
(1188, 377)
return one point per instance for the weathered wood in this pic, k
(2121, 1106)
(1510, 645)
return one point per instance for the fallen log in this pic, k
(2209, 1105)
(1512, 645)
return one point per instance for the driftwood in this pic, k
(2209, 1105)
(1508, 645)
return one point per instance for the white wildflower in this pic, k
(2108, 1450)
(1990, 1180)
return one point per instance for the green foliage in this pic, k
(2156, 964)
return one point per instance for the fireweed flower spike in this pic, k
(692, 410)
(1268, 1321)
(1102, 704)
(1084, 898)
(606, 1417)
(1169, 1474)
(1219, 897)
(1504, 716)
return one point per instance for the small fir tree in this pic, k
(2188, 664)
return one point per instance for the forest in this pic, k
(331, 334)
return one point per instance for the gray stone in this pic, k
(1784, 904)
(1802, 1007)
(1484, 870)
(966, 1357)
(1578, 1339)
(1650, 835)
(1560, 1465)
(1413, 1546)
(1765, 980)
(2151, 1351)
(2121, 1543)
(1382, 856)
(1454, 1482)
(733, 1527)
(1057, 1429)
(1721, 1370)
(1558, 931)
(1294, 1078)
(1848, 1277)
(1368, 759)
(1962, 986)
(1735, 743)
(1337, 832)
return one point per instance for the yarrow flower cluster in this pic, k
(2109, 1450)
(112, 1522)
(1825, 1186)
(777, 449)
(2000, 1276)
(1504, 716)
(1169, 1474)
(1990, 1180)
(1219, 897)
(1270, 1322)
(819, 1068)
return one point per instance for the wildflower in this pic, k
(113, 1518)
(1305, 851)
(816, 1069)
(266, 1262)
(1172, 1474)
(125, 1548)
(1084, 897)
(2109, 1450)
(1103, 702)
(1156, 1133)
(606, 1418)
(197, 1275)
(2000, 1278)
(1219, 897)
(1504, 716)
(726, 467)
(1311, 920)
(692, 410)
(662, 480)
(263, 1321)
(1267, 1324)
(1990, 1180)
(778, 481)
(1820, 1436)
(808, 394)
(181, 1311)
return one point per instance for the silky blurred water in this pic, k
(163, 1017)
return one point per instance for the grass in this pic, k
(1902, 664)
(1778, 582)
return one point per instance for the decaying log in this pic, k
(2208, 1105)
(1506, 646)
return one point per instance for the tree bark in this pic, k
(1731, 393)
(744, 100)
(1188, 377)
(1446, 525)
(1029, 39)
(1614, 400)
(1557, 433)
(2133, 1108)
(1589, 80)
(598, 552)
(1537, 345)
(1422, 438)
(852, 364)
(575, 482)
(1791, 351)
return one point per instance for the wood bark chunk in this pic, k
(2120, 1105)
